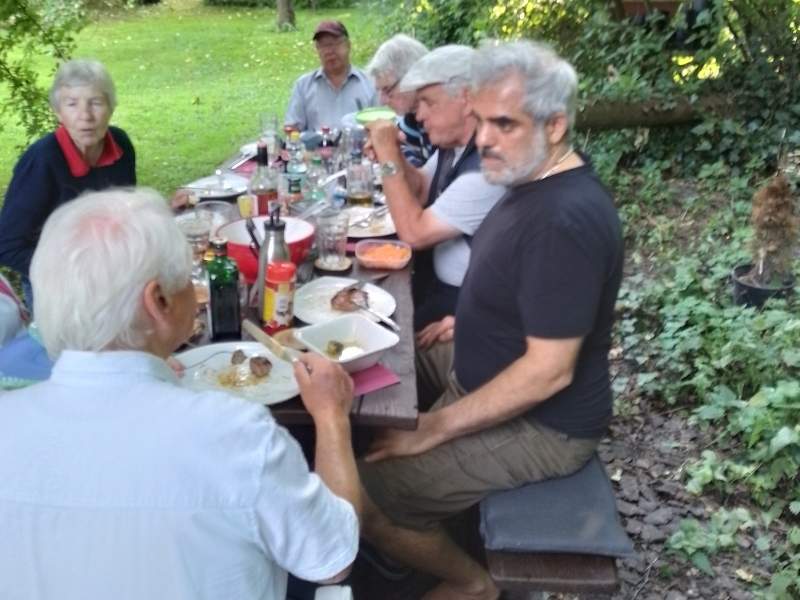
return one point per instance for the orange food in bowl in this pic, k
(383, 255)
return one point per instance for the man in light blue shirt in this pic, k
(337, 88)
(118, 482)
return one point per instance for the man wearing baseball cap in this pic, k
(325, 95)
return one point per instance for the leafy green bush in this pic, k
(33, 30)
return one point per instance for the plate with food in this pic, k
(327, 298)
(245, 369)
(366, 222)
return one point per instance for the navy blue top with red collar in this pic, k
(50, 173)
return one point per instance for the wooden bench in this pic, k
(559, 535)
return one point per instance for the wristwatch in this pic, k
(388, 168)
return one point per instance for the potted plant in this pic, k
(775, 229)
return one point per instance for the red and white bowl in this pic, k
(299, 237)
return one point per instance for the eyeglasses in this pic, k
(388, 89)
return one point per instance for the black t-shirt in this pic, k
(546, 262)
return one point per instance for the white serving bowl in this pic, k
(352, 329)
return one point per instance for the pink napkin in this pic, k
(246, 169)
(374, 378)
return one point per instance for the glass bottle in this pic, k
(223, 276)
(264, 183)
(326, 150)
(296, 168)
(273, 249)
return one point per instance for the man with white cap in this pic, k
(325, 95)
(440, 205)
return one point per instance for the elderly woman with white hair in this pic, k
(391, 62)
(84, 153)
(125, 484)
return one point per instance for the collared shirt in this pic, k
(316, 102)
(78, 166)
(117, 483)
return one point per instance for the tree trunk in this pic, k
(647, 113)
(285, 15)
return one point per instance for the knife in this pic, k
(266, 340)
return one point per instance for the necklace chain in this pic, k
(552, 169)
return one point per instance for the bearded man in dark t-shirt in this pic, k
(525, 391)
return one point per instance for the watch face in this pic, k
(388, 168)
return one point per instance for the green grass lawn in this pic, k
(191, 80)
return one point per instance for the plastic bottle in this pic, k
(278, 309)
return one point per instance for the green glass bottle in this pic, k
(223, 276)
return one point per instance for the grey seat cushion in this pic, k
(576, 514)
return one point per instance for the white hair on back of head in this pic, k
(80, 72)
(551, 83)
(91, 265)
(394, 57)
(449, 66)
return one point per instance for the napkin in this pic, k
(246, 169)
(374, 378)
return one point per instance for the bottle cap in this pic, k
(219, 245)
(274, 223)
(281, 271)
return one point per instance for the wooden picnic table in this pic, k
(393, 406)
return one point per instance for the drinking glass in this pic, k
(359, 184)
(269, 132)
(196, 226)
(332, 239)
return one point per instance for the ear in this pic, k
(156, 304)
(466, 99)
(556, 128)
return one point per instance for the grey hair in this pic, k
(394, 57)
(94, 258)
(449, 66)
(551, 83)
(74, 73)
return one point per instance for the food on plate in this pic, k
(243, 372)
(260, 366)
(350, 299)
(337, 350)
(333, 349)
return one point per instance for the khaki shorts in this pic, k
(418, 492)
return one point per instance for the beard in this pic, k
(531, 161)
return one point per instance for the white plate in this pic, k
(250, 149)
(377, 228)
(312, 302)
(209, 187)
(278, 386)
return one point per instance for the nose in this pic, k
(483, 136)
(384, 97)
(421, 114)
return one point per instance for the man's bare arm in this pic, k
(546, 368)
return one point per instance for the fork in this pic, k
(367, 221)
(206, 359)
